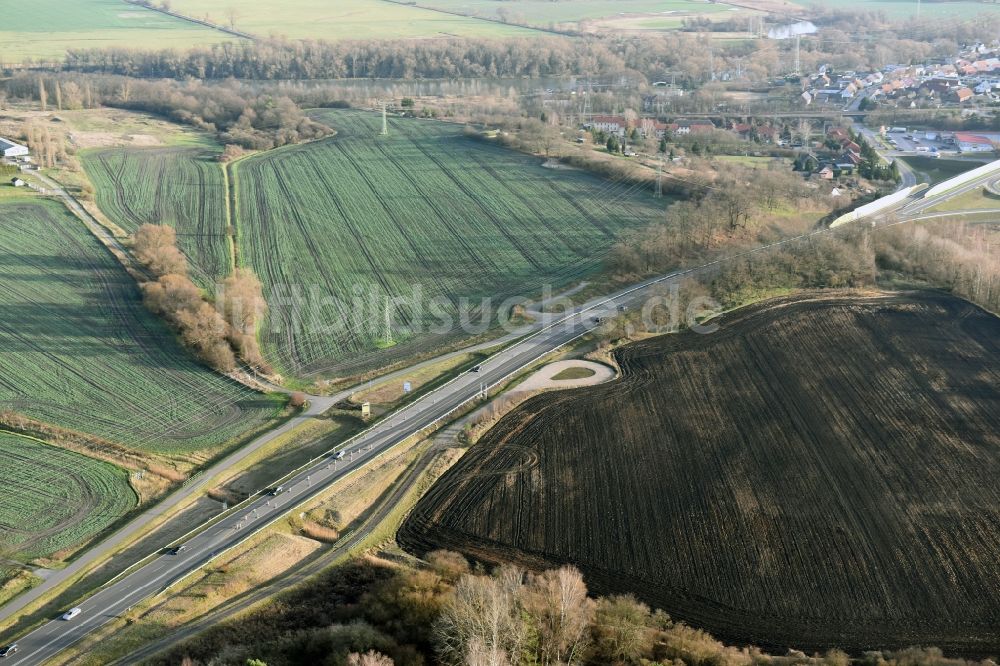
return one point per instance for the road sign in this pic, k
(406, 387)
(366, 409)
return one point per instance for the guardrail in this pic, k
(879, 205)
(562, 320)
(964, 178)
(387, 448)
(344, 445)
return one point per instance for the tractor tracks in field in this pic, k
(490, 215)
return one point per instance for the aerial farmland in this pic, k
(762, 482)
(362, 215)
(58, 498)
(91, 359)
(180, 186)
(506, 333)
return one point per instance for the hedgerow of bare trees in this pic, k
(217, 335)
(953, 254)
(728, 209)
(850, 40)
(240, 114)
(243, 306)
(367, 612)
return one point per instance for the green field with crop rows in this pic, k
(544, 12)
(55, 499)
(363, 218)
(182, 187)
(46, 29)
(344, 19)
(951, 11)
(79, 350)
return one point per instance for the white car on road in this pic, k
(71, 613)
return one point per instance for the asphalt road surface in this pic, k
(116, 599)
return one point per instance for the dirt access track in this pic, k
(818, 473)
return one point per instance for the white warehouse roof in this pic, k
(11, 149)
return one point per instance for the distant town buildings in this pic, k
(972, 74)
(647, 127)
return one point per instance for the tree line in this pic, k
(849, 40)
(242, 114)
(367, 613)
(217, 333)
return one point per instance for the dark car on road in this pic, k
(177, 550)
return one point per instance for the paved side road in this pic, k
(112, 601)
(371, 521)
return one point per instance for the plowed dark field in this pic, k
(820, 472)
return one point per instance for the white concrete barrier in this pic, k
(878, 205)
(964, 178)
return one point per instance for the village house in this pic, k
(692, 126)
(651, 127)
(962, 95)
(610, 124)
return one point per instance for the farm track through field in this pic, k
(762, 482)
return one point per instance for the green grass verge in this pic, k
(573, 373)
(973, 200)
(940, 169)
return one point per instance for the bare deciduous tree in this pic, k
(557, 601)
(155, 246)
(370, 658)
(482, 622)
